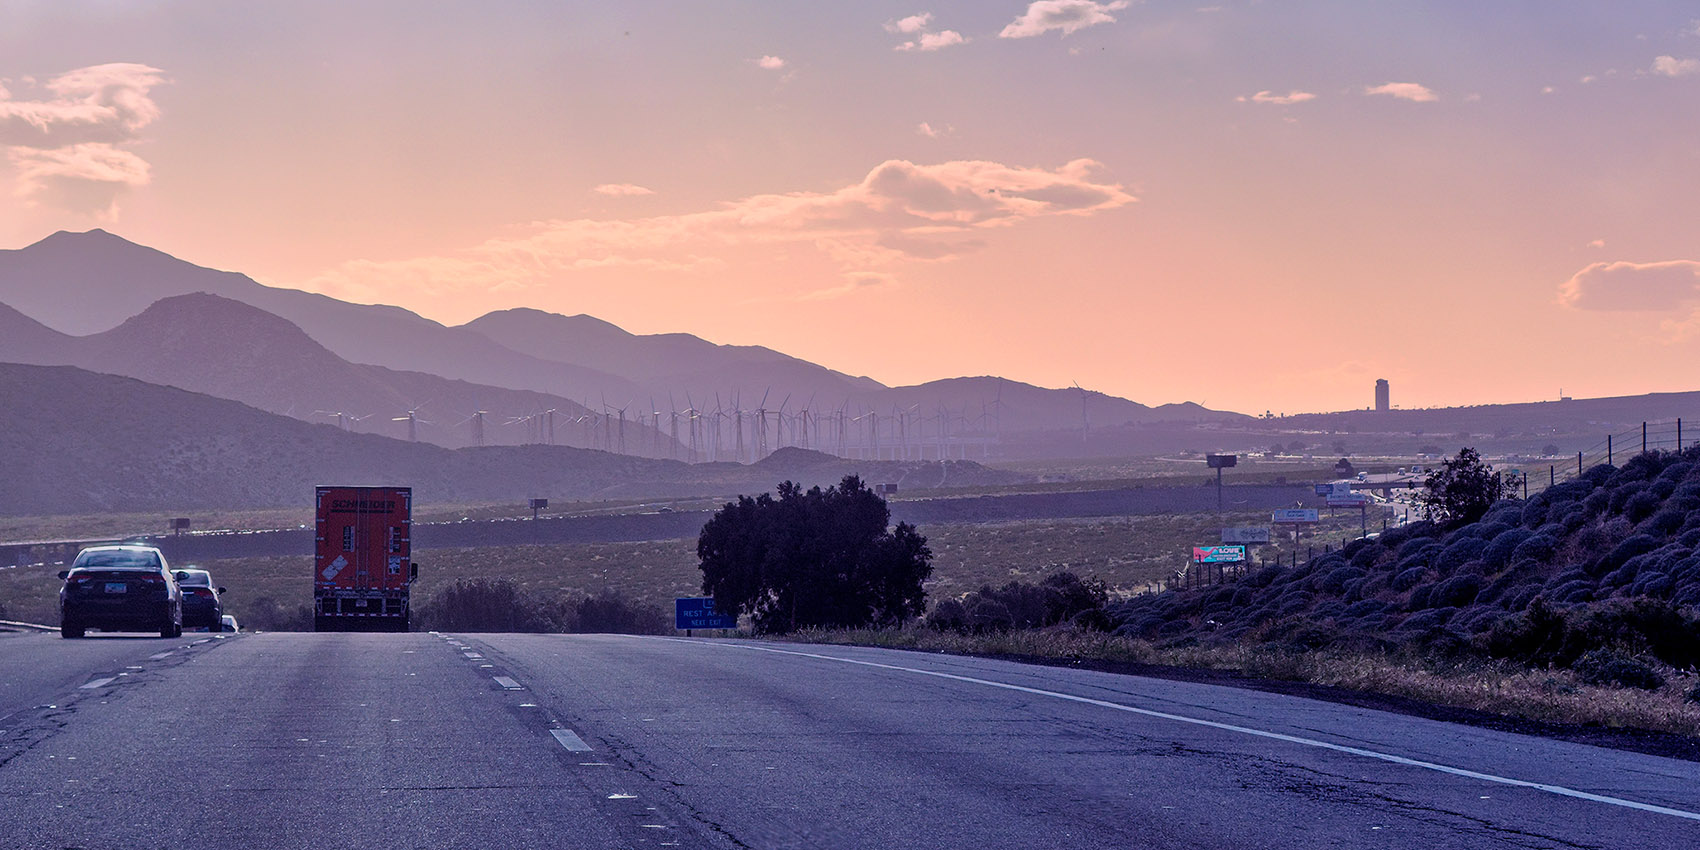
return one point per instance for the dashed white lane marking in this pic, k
(571, 741)
(158, 655)
(1558, 790)
(508, 683)
(472, 655)
(98, 683)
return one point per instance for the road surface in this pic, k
(522, 741)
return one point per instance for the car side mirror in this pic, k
(181, 575)
(221, 590)
(64, 573)
(413, 571)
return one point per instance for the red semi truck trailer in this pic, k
(363, 566)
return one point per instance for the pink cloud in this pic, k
(622, 189)
(910, 25)
(1287, 99)
(1070, 16)
(930, 41)
(771, 63)
(1405, 91)
(899, 212)
(1670, 66)
(65, 145)
(1660, 286)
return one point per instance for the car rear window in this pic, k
(118, 558)
(197, 578)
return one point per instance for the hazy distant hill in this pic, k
(74, 441)
(229, 349)
(665, 362)
(86, 282)
(81, 283)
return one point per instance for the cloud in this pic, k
(64, 145)
(1405, 91)
(932, 132)
(622, 189)
(87, 178)
(1287, 99)
(1070, 16)
(910, 25)
(771, 63)
(1671, 66)
(1626, 286)
(1597, 243)
(930, 41)
(854, 282)
(899, 212)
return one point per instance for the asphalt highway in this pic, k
(550, 741)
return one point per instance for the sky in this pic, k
(1257, 206)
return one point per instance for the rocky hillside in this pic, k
(1607, 563)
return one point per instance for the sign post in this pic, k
(1219, 463)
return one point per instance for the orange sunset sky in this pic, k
(1253, 205)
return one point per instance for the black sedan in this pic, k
(120, 588)
(202, 605)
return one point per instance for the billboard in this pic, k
(1245, 535)
(1218, 554)
(1295, 515)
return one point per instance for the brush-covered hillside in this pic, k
(1601, 573)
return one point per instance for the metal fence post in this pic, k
(1643, 438)
(1608, 450)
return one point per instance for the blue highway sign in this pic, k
(699, 613)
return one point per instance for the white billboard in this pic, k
(1295, 515)
(1245, 535)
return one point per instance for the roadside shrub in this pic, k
(1545, 634)
(268, 615)
(1457, 591)
(501, 605)
(1667, 522)
(1419, 598)
(1497, 553)
(615, 614)
(485, 605)
(1335, 582)
(1607, 668)
(1642, 505)
(1519, 597)
(1536, 547)
(1410, 578)
(1637, 545)
(1459, 552)
(1060, 597)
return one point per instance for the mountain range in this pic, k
(76, 441)
(101, 302)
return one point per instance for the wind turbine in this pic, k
(341, 418)
(413, 422)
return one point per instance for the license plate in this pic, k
(116, 587)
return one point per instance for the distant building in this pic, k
(1382, 396)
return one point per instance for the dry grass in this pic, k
(1549, 696)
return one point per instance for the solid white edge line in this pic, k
(567, 738)
(1559, 790)
(98, 683)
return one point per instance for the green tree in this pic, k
(815, 558)
(1464, 488)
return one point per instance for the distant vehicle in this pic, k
(120, 588)
(1363, 476)
(229, 624)
(201, 603)
(363, 570)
